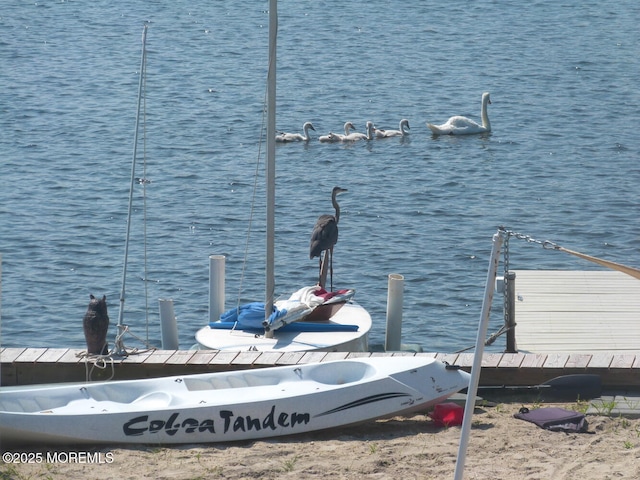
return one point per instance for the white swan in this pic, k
(296, 137)
(404, 123)
(336, 137)
(352, 137)
(330, 138)
(464, 126)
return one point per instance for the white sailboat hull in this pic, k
(222, 407)
(351, 313)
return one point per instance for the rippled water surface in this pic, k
(561, 162)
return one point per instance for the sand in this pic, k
(500, 447)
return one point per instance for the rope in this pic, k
(489, 341)
(101, 362)
(634, 272)
(548, 245)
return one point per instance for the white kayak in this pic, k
(227, 406)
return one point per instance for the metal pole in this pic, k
(271, 159)
(477, 358)
(510, 313)
(119, 344)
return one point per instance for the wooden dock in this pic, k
(577, 312)
(24, 366)
(571, 322)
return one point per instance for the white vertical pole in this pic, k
(271, 160)
(119, 344)
(477, 358)
(168, 325)
(394, 312)
(0, 312)
(216, 286)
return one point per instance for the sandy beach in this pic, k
(501, 447)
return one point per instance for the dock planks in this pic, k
(577, 311)
(24, 366)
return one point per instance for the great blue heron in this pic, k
(324, 237)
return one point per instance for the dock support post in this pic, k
(510, 312)
(168, 325)
(216, 286)
(0, 296)
(394, 312)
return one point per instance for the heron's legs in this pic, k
(330, 252)
(325, 264)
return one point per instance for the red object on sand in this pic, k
(447, 414)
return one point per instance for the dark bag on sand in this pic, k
(555, 419)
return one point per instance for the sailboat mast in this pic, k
(119, 346)
(271, 157)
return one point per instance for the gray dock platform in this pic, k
(577, 312)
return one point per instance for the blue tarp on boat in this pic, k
(292, 327)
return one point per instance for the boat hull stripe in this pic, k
(364, 401)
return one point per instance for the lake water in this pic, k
(561, 164)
